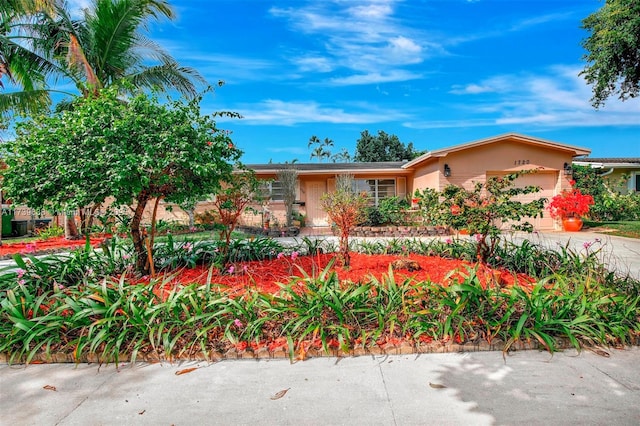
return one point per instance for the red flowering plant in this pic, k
(570, 203)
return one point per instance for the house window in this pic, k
(378, 189)
(273, 190)
(635, 182)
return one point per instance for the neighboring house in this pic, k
(462, 165)
(623, 174)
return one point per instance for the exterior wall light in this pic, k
(447, 170)
(568, 170)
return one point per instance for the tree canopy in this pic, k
(613, 51)
(383, 147)
(131, 151)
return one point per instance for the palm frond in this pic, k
(169, 76)
(24, 102)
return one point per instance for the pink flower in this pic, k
(449, 241)
(20, 272)
(280, 255)
(478, 237)
(587, 244)
(188, 247)
(294, 255)
(245, 268)
(21, 282)
(231, 269)
(237, 322)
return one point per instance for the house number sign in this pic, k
(520, 162)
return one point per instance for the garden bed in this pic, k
(402, 297)
(269, 275)
(48, 246)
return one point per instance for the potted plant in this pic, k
(569, 206)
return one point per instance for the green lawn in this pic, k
(629, 229)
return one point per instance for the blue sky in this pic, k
(432, 72)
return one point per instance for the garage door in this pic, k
(547, 183)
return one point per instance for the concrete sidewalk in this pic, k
(482, 388)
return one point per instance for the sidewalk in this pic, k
(530, 387)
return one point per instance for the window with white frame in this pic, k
(273, 190)
(378, 189)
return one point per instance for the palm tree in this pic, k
(40, 46)
(341, 157)
(321, 150)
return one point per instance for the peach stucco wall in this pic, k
(472, 165)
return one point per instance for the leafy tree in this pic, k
(489, 204)
(346, 208)
(41, 45)
(613, 50)
(237, 192)
(383, 147)
(132, 152)
(609, 202)
(321, 150)
(288, 178)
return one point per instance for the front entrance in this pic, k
(316, 216)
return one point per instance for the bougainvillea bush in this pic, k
(570, 203)
(91, 304)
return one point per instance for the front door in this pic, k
(316, 216)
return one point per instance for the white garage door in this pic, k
(547, 183)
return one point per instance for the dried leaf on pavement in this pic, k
(185, 371)
(280, 394)
(49, 387)
(437, 385)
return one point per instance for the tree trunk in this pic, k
(70, 228)
(344, 249)
(192, 218)
(137, 235)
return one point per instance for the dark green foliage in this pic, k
(613, 51)
(383, 147)
(609, 202)
(389, 211)
(132, 152)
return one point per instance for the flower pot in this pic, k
(572, 224)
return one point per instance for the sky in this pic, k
(433, 72)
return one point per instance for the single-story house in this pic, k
(462, 165)
(622, 173)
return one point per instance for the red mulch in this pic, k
(265, 275)
(48, 245)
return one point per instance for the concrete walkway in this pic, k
(482, 388)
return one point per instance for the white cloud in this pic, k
(356, 37)
(280, 113)
(313, 64)
(557, 99)
(470, 89)
(374, 77)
